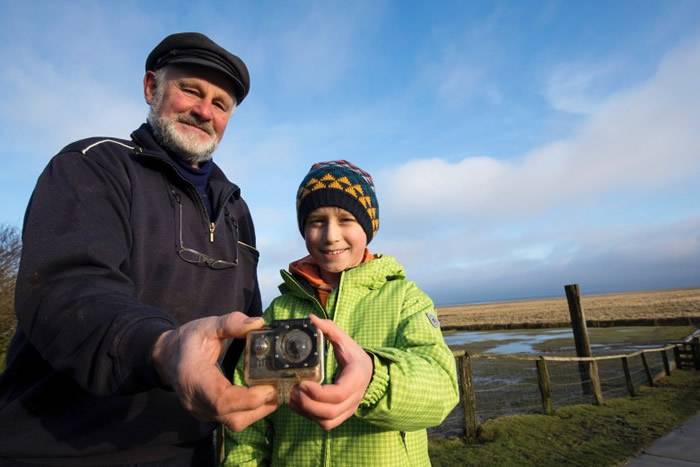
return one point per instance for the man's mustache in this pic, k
(190, 120)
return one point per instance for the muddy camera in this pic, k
(283, 354)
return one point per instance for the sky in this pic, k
(515, 146)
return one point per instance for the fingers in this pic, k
(332, 423)
(330, 330)
(331, 404)
(356, 365)
(239, 421)
(212, 387)
(321, 405)
(239, 398)
(343, 345)
(216, 398)
(162, 358)
(237, 325)
(189, 358)
(239, 407)
(328, 393)
(327, 415)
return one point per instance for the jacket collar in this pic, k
(307, 269)
(369, 275)
(148, 147)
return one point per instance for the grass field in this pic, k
(580, 435)
(620, 308)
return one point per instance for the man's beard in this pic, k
(186, 145)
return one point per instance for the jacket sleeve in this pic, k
(414, 385)
(75, 304)
(251, 447)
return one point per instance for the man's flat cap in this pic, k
(197, 49)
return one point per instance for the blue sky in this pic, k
(516, 146)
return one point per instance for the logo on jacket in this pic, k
(433, 319)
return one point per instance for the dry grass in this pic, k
(649, 306)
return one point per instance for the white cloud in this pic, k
(68, 74)
(484, 264)
(44, 101)
(578, 87)
(639, 139)
(458, 84)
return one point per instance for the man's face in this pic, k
(335, 240)
(190, 107)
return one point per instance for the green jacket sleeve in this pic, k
(414, 385)
(251, 447)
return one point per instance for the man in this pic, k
(138, 267)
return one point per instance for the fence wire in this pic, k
(656, 363)
(508, 385)
(566, 385)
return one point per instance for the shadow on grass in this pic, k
(580, 435)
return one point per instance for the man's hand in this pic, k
(331, 404)
(186, 359)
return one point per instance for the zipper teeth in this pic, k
(202, 210)
(326, 435)
(313, 299)
(327, 454)
(190, 188)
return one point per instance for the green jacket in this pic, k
(414, 385)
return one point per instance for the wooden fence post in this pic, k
(628, 376)
(578, 325)
(695, 343)
(465, 369)
(595, 382)
(677, 357)
(667, 366)
(545, 388)
(650, 377)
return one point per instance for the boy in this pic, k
(386, 340)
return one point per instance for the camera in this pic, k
(284, 353)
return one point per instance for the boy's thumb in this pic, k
(329, 329)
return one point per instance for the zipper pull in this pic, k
(212, 226)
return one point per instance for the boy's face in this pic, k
(335, 240)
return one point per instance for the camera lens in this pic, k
(296, 346)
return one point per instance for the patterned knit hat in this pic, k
(341, 184)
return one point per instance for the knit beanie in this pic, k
(341, 184)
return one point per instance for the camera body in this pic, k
(284, 353)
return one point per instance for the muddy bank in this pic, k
(677, 321)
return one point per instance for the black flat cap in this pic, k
(197, 49)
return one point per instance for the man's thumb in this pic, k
(237, 325)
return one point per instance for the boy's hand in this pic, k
(330, 405)
(186, 359)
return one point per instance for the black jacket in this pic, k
(100, 279)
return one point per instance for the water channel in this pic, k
(561, 340)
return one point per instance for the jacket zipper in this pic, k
(211, 226)
(313, 299)
(326, 458)
(328, 462)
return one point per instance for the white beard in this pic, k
(186, 145)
